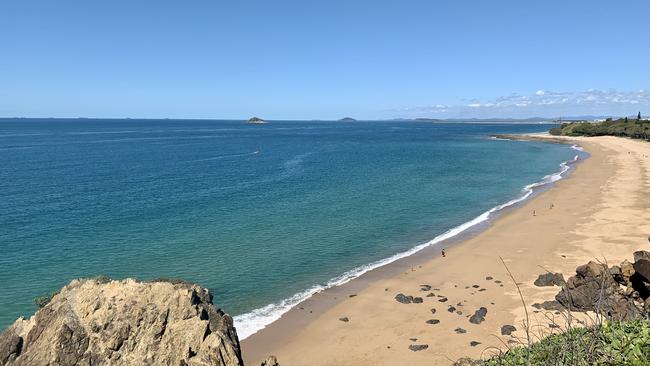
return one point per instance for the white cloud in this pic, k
(546, 103)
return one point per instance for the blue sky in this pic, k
(323, 59)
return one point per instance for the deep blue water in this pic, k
(256, 213)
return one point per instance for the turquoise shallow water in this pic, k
(256, 213)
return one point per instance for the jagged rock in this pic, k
(271, 361)
(507, 329)
(425, 287)
(549, 279)
(451, 309)
(642, 268)
(594, 288)
(479, 316)
(460, 330)
(124, 323)
(627, 269)
(417, 300)
(474, 343)
(641, 254)
(443, 299)
(583, 290)
(432, 321)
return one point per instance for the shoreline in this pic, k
(427, 250)
(297, 328)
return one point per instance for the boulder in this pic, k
(549, 279)
(124, 322)
(627, 269)
(642, 268)
(594, 288)
(507, 329)
(401, 298)
(479, 316)
(641, 254)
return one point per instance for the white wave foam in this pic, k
(228, 156)
(577, 147)
(256, 320)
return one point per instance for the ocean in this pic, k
(262, 215)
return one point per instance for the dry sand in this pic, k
(601, 212)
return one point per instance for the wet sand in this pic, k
(602, 211)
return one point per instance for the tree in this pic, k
(625, 119)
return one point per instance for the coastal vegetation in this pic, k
(611, 343)
(625, 127)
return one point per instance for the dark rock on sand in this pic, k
(488, 278)
(549, 279)
(432, 321)
(460, 330)
(479, 316)
(433, 310)
(451, 309)
(344, 319)
(418, 347)
(474, 343)
(404, 299)
(476, 286)
(425, 287)
(431, 294)
(507, 329)
(443, 299)
(417, 300)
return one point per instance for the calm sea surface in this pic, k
(256, 213)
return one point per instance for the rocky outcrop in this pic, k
(256, 120)
(92, 322)
(619, 292)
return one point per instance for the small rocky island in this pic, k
(256, 121)
(347, 119)
(105, 322)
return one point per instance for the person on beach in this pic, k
(444, 255)
(534, 213)
(551, 206)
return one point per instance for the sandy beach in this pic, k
(602, 211)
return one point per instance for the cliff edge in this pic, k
(127, 322)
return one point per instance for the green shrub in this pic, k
(102, 279)
(612, 343)
(43, 300)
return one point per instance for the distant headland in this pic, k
(347, 119)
